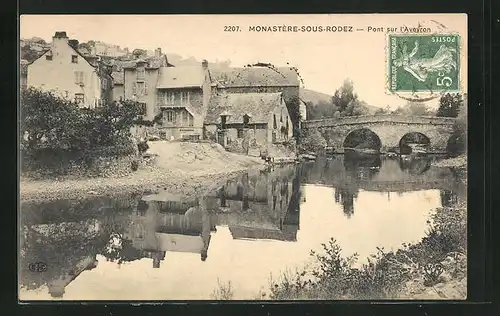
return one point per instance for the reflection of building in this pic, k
(346, 197)
(170, 224)
(261, 206)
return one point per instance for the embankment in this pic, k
(181, 168)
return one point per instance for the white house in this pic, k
(64, 71)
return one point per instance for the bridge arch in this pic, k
(414, 138)
(362, 138)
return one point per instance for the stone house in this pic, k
(183, 95)
(264, 79)
(140, 77)
(66, 72)
(248, 122)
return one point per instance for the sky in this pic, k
(324, 59)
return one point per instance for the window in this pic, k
(169, 97)
(48, 57)
(79, 77)
(170, 116)
(141, 88)
(223, 120)
(240, 132)
(275, 125)
(184, 96)
(142, 107)
(79, 98)
(74, 59)
(141, 74)
(187, 118)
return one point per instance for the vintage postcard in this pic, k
(243, 157)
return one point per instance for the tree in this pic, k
(28, 54)
(139, 52)
(457, 144)
(344, 95)
(382, 111)
(413, 108)
(356, 108)
(45, 118)
(450, 105)
(418, 108)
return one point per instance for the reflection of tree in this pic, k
(346, 197)
(121, 250)
(415, 165)
(448, 198)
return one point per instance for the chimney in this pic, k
(61, 35)
(59, 40)
(158, 52)
(204, 64)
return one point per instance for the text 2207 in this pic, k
(231, 28)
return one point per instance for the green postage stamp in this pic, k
(418, 63)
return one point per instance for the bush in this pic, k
(311, 140)
(142, 147)
(57, 134)
(386, 273)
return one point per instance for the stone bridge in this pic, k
(386, 130)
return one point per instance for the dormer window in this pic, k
(74, 59)
(48, 57)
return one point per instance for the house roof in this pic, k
(151, 62)
(257, 77)
(118, 77)
(256, 105)
(180, 77)
(91, 60)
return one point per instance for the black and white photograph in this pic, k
(243, 157)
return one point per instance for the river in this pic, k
(165, 247)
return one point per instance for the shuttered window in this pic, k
(79, 77)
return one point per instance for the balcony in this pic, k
(175, 103)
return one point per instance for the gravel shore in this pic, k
(181, 168)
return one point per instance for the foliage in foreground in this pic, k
(223, 292)
(442, 252)
(56, 133)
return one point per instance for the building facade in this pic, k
(110, 50)
(264, 79)
(248, 122)
(68, 74)
(140, 78)
(183, 95)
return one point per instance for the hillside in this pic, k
(313, 96)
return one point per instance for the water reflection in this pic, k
(253, 225)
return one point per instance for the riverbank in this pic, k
(459, 162)
(180, 168)
(434, 268)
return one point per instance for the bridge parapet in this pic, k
(369, 119)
